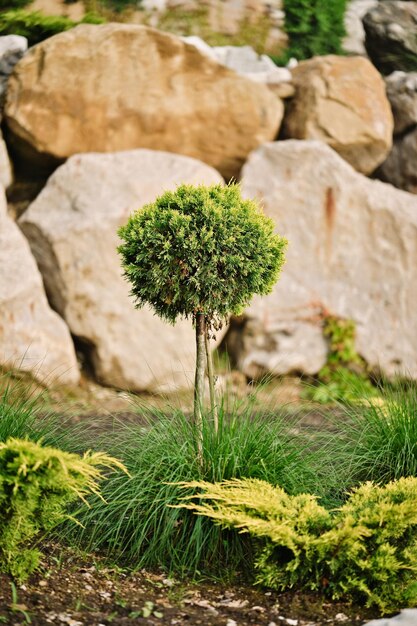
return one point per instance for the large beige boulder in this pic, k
(135, 87)
(352, 253)
(342, 101)
(33, 338)
(72, 228)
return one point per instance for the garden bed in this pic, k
(82, 590)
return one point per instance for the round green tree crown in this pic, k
(200, 250)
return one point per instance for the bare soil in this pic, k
(81, 590)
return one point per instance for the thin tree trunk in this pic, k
(200, 334)
(212, 383)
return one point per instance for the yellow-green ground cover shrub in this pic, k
(365, 550)
(36, 485)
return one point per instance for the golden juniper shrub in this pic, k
(36, 484)
(366, 550)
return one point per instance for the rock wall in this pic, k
(352, 240)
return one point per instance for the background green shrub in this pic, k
(36, 27)
(314, 27)
(366, 550)
(344, 377)
(36, 484)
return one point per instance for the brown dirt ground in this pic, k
(79, 590)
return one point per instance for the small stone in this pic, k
(235, 604)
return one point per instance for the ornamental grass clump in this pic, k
(200, 253)
(377, 437)
(36, 485)
(137, 526)
(366, 550)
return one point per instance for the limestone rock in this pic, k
(12, 48)
(5, 165)
(354, 42)
(72, 229)
(352, 252)
(342, 101)
(391, 35)
(33, 338)
(402, 94)
(400, 168)
(135, 87)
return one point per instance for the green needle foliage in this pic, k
(137, 526)
(200, 250)
(366, 550)
(36, 485)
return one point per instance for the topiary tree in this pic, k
(200, 253)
